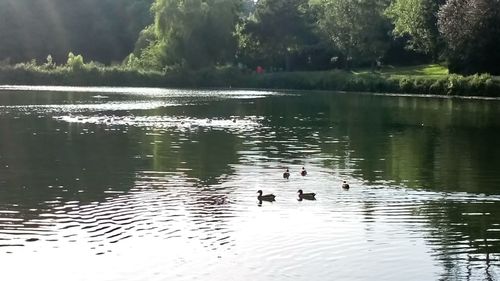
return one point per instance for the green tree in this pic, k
(276, 30)
(471, 30)
(194, 33)
(75, 62)
(417, 21)
(356, 27)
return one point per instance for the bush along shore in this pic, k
(230, 77)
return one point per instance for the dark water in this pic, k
(151, 184)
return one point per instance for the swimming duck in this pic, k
(303, 172)
(307, 196)
(345, 185)
(286, 174)
(267, 197)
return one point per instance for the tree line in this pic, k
(275, 34)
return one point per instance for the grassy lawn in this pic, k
(417, 70)
(427, 70)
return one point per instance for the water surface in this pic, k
(155, 184)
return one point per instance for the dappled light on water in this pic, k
(164, 122)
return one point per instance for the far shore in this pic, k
(426, 80)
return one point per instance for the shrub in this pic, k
(405, 85)
(438, 86)
(76, 72)
(75, 62)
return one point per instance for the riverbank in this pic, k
(420, 80)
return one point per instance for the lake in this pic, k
(157, 184)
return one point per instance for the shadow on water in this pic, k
(74, 163)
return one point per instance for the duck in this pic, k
(267, 197)
(303, 172)
(286, 174)
(345, 185)
(307, 196)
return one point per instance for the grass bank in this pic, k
(423, 80)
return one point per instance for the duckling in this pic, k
(267, 197)
(345, 185)
(303, 172)
(286, 174)
(307, 196)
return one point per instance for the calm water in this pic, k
(151, 184)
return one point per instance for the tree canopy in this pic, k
(195, 32)
(275, 34)
(416, 20)
(357, 27)
(276, 30)
(471, 30)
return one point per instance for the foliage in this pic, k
(416, 19)
(193, 33)
(75, 62)
(357, 28)
(471, 30)
(385, 82)
(49, 64)
(280, 35)
(277, 30)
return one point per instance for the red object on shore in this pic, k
(259, 70)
